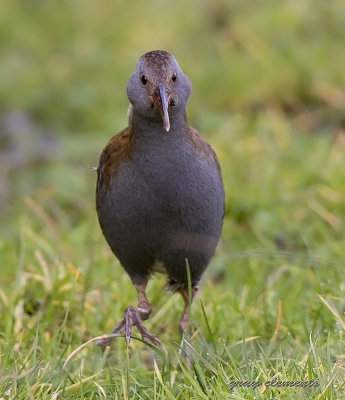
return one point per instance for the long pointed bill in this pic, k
(161, 97)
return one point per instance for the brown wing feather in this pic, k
(201, 144)
(118, 149)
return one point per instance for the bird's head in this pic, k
(158, 88)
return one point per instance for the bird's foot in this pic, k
(185, 326)
(129, 319)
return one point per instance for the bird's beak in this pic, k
(161, 97)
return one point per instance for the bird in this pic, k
(159, 194)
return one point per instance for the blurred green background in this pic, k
(268, 94)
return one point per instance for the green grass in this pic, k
(268, 94)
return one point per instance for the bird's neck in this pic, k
(149, 128)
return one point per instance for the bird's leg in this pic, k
(132, 317)
(185, 315)
(144, 306)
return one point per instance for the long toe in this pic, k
(129, 319)
(119, 328)
(145, 334)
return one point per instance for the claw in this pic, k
(129, 319)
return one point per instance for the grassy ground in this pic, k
(268, 94)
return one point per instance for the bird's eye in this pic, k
(174, 77)
(143, 79)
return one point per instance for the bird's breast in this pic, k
(171, 185)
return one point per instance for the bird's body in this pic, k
(160, 198)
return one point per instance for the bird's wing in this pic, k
(201, 144)
(118, 148)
